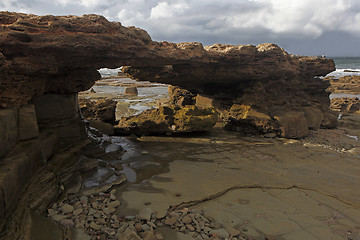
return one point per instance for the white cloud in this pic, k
(209, 21)
(165, 10)
(305, 17)
(64, 2)
(90, 3)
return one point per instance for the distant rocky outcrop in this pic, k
(346, 105)
(346, 84)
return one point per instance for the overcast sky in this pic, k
(307, 27)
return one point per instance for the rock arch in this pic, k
(46, 60)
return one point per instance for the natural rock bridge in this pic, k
(46, 60)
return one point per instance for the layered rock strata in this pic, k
(30, 136)
(51, 54)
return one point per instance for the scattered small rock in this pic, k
(77, 211)
(94, 226)
(145, 214)
(95, 215)
(58, 217)
(232, 231)
(67, 208)
(160, 214)
(186, 219)
(84, 199)
(148, 235)
(145, 227)
(52, 212)
(110, 231)
(170, 221)
(114, 204)
(112, 197)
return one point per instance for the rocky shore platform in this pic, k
(223, 185)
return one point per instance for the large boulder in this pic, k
(314, 117)
(100, 110)
(245, 119)
(293, 124)
(194, 119)
(180, 97)
(169, 120)
(330, 120)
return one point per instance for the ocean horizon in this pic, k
(347, 62)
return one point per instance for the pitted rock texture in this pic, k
(60, 54)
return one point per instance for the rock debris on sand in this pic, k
(96, 215)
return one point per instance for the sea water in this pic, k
(351, 63)
(147, 93)
(345, 66)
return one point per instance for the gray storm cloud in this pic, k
(302, 27)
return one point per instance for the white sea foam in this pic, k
(342, 72)
(108, 72)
